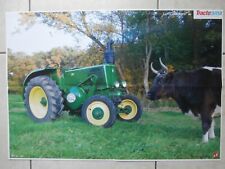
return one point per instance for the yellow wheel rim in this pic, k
(38, 102)
(98, 105)
(133, 111)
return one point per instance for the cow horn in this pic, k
(164, 66)
(153, 70)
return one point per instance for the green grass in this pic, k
(157, 135)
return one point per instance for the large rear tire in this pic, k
(43, 99)
(99, 111)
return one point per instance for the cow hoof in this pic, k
(205, 138)
(212, 136)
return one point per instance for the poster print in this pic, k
(114, 84)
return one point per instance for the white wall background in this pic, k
(52, 5)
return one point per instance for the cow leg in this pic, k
(217, 112)
(205, 137)
(207, 112)
(206, 124)
(211, 130)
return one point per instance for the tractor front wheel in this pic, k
(130, 108)
(43, 99)
(99, 111)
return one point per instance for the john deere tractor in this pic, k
(96, 92)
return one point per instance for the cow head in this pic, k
(161, 85)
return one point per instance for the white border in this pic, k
(117, 160)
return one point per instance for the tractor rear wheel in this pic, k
(99, 111)
(43, 99)
(130, 108)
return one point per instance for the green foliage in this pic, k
(18, 67)
(157, 135)
(181, 42)
(20, 64)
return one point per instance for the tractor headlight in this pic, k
(117, 84)
(71, 97)
(124, 84)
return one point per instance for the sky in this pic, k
(39, 37)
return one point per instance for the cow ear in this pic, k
(171, 68)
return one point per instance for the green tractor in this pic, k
(96, 92)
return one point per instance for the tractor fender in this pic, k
(35, 73)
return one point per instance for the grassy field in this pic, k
(157, 135)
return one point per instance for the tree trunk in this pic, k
(120, 70)
(195, 41)
(148, 50)
(166, 52)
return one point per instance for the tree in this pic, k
(140, 37)
(18, 67)
(86, 23)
